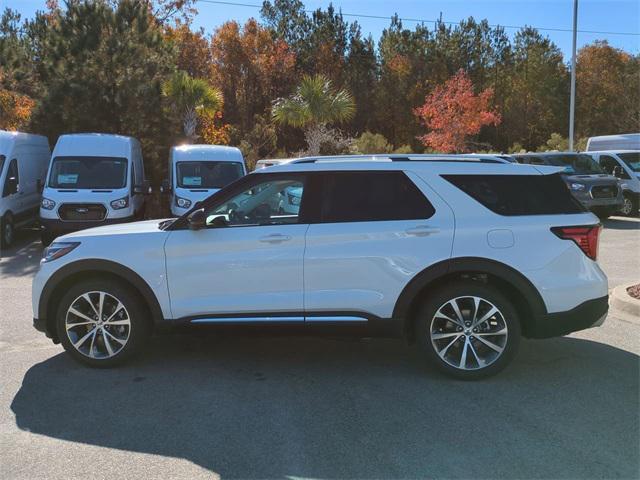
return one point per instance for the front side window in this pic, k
(2, 159)
(632, 159)
(207, 174)
(271, 202)
(88, 172)
(12, 172)
(372, 196)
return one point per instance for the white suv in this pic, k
(460, 257)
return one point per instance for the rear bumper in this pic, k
(59, 227)
(591, 313)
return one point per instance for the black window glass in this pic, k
(372, 196)
(519, 194)
(12, 172)
(208, 174)
(632, 159)
(88, 172)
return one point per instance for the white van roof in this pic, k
(623, 141)
(8, 140)
(219, 153)
(94, 144)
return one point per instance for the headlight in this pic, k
(576, 187)
(57, 250)
(120, 203)
(47, 204)
(183, 202)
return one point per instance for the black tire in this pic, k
(603, 212)
(139, 329)
(468, 288)
(46, 238)
(630, 206)
(7, 231)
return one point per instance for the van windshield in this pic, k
(575, 164)
(207, 174)
(88, 172)
(632, 159)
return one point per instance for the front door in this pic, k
(247, 264)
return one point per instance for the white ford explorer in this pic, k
(459, 256)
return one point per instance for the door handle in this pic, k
(421, 231)
(275, 238)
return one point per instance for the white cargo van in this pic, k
(624, 141)
(624, 164)
(94, 179)
(198, 171)
(23, 166)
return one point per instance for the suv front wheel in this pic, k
(468, 330)
(101, 323)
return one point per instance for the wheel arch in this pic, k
(71, 273)
(520, 291)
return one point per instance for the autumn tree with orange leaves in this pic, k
(453, 113)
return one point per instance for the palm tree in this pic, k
(191, 97)
(313, 105)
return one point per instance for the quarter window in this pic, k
(372, 196)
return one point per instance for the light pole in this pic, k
(572, 103)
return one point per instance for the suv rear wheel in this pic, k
(101, 323)
(468, 330)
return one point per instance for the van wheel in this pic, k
(46, 238)
(468, 330)
(8, 231)
(101, 323)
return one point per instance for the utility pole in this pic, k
(572, 105)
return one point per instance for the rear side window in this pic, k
(512, 195)
(372, 196)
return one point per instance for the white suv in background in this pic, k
(461, 257)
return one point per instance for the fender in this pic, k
(98, 265)
(475, 265)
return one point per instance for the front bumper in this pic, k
(59, 227)
(591, 313)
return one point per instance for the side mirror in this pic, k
(219, 222)
(145, 188)
(197, 219)
(39, 186)
(165, 187)
(12, 185)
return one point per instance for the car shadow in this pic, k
(246, 407)
(23, 258)
(622, 223)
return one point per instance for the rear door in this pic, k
(375, 231)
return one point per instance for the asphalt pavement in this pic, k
(331, 408)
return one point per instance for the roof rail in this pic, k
(430, 157)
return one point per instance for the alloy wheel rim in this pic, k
(98, 325)
(469, 333)
(627, 206)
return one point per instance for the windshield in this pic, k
(575, 164)
(207, 174)
(632, 159)
(88, 172)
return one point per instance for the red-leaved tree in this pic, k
(452, 113)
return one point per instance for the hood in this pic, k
(596, 179)
(146, 226)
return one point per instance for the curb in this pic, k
(622, 301)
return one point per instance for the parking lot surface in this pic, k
(297, 407)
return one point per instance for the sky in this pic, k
(611, 16)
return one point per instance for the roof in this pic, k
(206, 152)
(398, 157)
(7, 139)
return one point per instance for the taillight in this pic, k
(585, 237)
